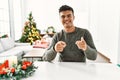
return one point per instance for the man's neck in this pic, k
(69, 30)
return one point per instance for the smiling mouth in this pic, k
(67, 22)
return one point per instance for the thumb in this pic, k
(82, 39)
(63, 43)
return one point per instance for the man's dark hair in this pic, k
(65, 8)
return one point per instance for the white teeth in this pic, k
(67, 22)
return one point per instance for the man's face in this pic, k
(67, 18)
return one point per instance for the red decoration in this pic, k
(12, 70)
(16, 71)
(24, 67)
(5, 67)
(6, 63)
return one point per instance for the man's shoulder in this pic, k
(59, 33)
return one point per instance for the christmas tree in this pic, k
(30, 32)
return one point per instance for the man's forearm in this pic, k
(49, 54)
(91, 53)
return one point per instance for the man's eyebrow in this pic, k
(69, 14)
(62, 15)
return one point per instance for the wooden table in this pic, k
(35, 53)
(75, 71)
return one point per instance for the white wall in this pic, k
(17, 13)
(4, 18)
(104, 15)
(45, 12)
(118, 57)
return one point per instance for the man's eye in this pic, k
(69, 16)
(62, 16)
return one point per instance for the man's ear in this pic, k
(73, 17)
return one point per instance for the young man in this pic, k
(73, 44)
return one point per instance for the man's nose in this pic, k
(66, 18)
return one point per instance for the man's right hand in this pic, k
(59, 46)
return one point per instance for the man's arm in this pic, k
(50, 53)
(90, 52)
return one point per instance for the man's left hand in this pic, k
(81, 44)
